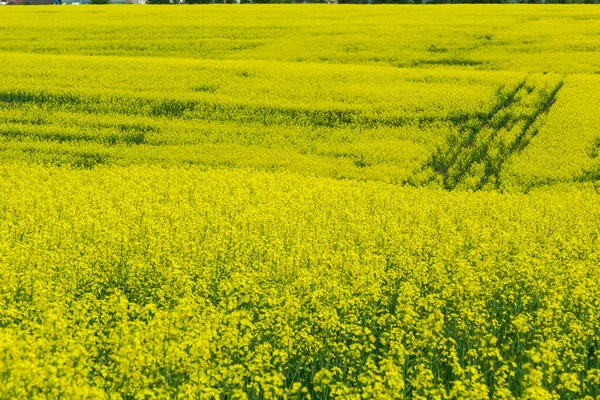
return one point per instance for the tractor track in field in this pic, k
(474, 158)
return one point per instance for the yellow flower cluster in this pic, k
(299, 202)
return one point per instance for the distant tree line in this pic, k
(464, 1)
(376, 1)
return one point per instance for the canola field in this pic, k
(301, 202)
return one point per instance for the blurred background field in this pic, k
(299, 201)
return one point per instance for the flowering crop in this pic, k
(173, 282)
(264, 202)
